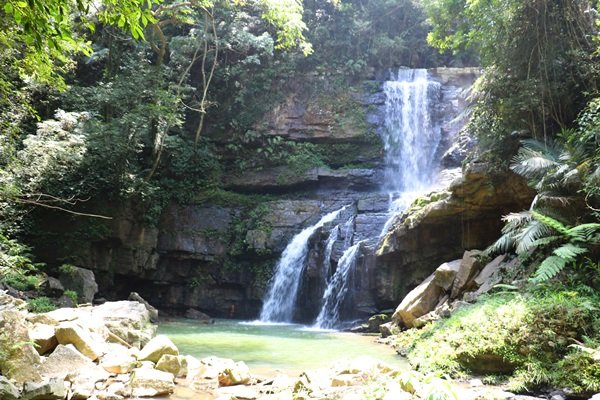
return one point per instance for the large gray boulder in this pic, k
(445, 274)
(44, 337)
(53, 389)
(469, 267)
(128, 320)
(22, 361)
(156, 348)
(82, 339)
(147, 382)
(81, 281)
(418, 302)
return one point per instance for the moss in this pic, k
(522, 336)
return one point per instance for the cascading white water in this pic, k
(337, 289)
(278, 305)
(411, 137)
(411, 140)
(333, 237)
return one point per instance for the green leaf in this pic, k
(8, 8)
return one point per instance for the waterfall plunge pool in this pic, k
(271, 348)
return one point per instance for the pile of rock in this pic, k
(450, 286)
(104, 352)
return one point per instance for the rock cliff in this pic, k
(217, 256)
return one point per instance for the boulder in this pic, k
(445, 274)
(389, 329)
(53, 389)
(156, 348)
(469, 266)
(192, 313)
(146, 382)
(8, 391)
(134, 296)
(82, 339)
(44, 338)
(53, 287)
(81, 281)
(418, 302)
(118, 362)
(491, 268)
(128, 320)
(190, 366)
(66, 360)
(169, 363)
(22, 361)
(8, 302)
(376, 321)
(237, 374)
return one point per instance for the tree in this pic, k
(539, 59)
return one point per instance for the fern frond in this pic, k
(549, 268)
(545, 241)
(550, 222)
(569, 251)
(583, 232)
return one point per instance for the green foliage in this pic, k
(67, 269)
(16, 266)
(580, 369)
(40, 305)
(529, 333)
(561, 223)
(538, 59)
(71, 294)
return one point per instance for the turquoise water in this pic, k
(271, 348)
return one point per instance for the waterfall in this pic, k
(333, 236)
(337, 289)
(411, 137)
(278, 305)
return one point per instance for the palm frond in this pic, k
(515, 221)
(551, 198)
(504, 244)
(526, 238)
(534, 159)
(531, 165)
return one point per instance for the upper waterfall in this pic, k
(411, 136)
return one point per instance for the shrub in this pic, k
(40, 305)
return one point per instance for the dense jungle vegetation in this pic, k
(148, 102)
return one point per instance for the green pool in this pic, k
(271, 348)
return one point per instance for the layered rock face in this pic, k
(466, 216)
(218, 259)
